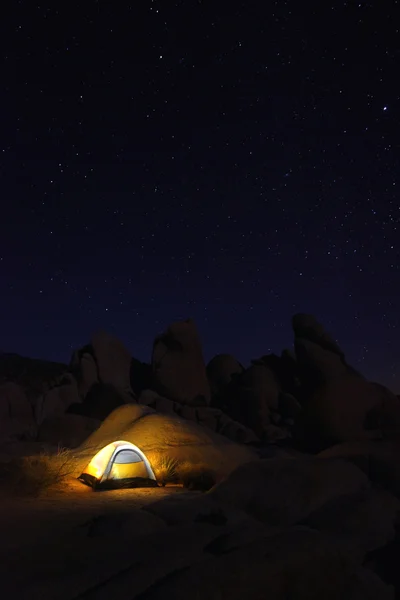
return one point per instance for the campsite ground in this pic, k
(25, 521)
(69, 539)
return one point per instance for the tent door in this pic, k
(127, 464)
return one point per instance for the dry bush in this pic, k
(196, 476)
(33, 475)
(166, 470)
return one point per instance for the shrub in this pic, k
(32, 475)
(197, 477)
(166, 470)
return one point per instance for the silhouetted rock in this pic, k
(289, 406)
(285, 491)
(380, 461)
(319, 358)
(16, 416)
(366, 519)
(67, 431)
(347, 408)
(99, 402)
(300, 564)
(284, 368)
(209, 417)
(113, 360)
(83, 366)
(178, 366)
(385, 563)
(57, 400)
(167, 440)
(307, 327)
(35, 376)
(220, 370)
(252, 398)
(140, 376)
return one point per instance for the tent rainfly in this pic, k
(119, 464)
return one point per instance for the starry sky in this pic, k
(233, 162)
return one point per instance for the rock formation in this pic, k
(16, 416)
(299, 452)
(179, 371)
(221, 370)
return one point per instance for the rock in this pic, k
(276, 451)
(388, 414)
(224, 425)
(89, 375)
(16, 416)
(308, 328)
(113, 361)
(299, 564)
(250, 398)
(289, 407)
(83, 367)
(157, 402)
(174, 447)
(57, 400)
(380, 460)
(67, 431)
(385, 563)
(320, 360)
(212, 418)
(34, 376)
(273, 434)
(220, 371)
(284, 369)
(100, 401)
(140, 376)
(285, 491)
(366, 520)
(123, 525)
(193, 507)
(178, 367)
(347, 409)
(318, 364)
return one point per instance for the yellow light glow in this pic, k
(99, 461)
(102, 464)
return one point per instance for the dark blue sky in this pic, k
(232, 162)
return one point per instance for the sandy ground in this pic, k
(24, 520)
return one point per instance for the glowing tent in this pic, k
(119, 464)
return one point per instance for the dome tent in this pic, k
(119, 464)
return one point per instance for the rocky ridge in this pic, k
(304, 453)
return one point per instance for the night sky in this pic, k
(233, 162)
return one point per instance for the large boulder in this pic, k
(34, 376)
(113, 360)
(380, 460)
(141, 376)
(319, 357)
(170, 443)
(348, 409)
(179, 371)
(100, 401)
(57, 400)
(308, 328)
(367, 520)
(16, 415)
(285, 491)
(284, 369)
(299, 564)
(84, 367)
(220, 371)
(105, 360)
(67, 431)
(209, 417)
(251, 399)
